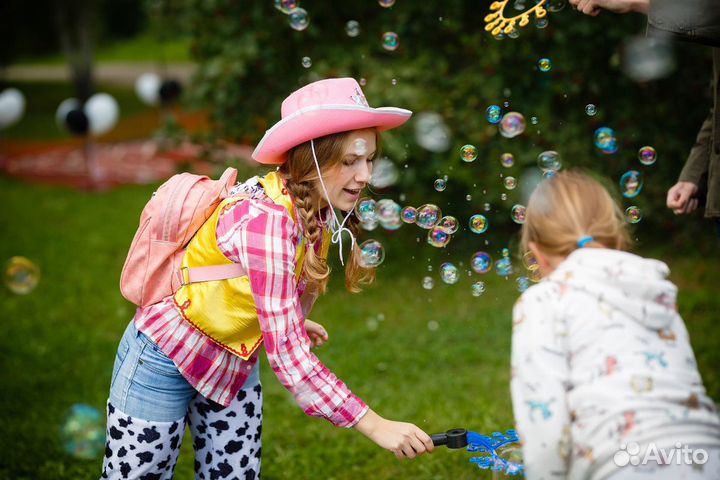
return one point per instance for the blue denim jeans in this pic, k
(147, 384)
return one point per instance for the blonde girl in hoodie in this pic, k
(604, 381)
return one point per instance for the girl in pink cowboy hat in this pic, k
(193, 357)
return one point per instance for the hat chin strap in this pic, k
(336, 227)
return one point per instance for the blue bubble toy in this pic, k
(486, 446)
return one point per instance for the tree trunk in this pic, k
(75, 20)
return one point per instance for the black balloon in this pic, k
(77, 122)
(170, 91)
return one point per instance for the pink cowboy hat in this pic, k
(321, 108)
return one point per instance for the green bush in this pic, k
(250, 59)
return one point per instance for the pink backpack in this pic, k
(168, 222)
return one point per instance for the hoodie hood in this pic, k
(626, 282)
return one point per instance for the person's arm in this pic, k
(682, 197)
(539, 376)
(594, 7)
(266, 244)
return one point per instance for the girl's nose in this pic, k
(363, 172)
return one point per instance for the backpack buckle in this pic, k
(184, 276)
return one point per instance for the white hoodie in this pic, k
(600, 359)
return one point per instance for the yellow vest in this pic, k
(224, 310)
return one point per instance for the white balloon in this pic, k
(147, 88)
(102, 111)
(12, 107)
(63, 109)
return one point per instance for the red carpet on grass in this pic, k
(100, 166)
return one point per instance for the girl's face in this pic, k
(346, 180)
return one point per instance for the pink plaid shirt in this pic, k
(262, 237)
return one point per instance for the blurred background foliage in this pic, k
(250, 59)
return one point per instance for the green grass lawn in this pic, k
(58, 345)
(145, 47)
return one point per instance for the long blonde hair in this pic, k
(569, 206)
(301, 178)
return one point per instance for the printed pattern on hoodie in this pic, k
(601, 358)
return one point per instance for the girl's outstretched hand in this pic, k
(405, 440)
(317, 333)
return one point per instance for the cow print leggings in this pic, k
(226, 441)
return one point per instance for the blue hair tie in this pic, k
(585, 240)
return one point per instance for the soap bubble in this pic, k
(449, 273)
(541, 22)
(507, 160)
(631, 184)
(372, 254)
(428, 283)
(439, 185)
(432, 325)
(493, 114)
(647, 155)
(650, 58)
(390, 41)
(478, 223)
(535, 275)
(449, 224)
(299, 19)
(530, 262)
(512, 458)
(468, 197)
(408, 214)
(286, 6)
(438, 237)
(428, 216)
(517, 213)
(544, 64)
(468, 153)
(478, 288)
(633, 214)
(359, 147)
(522, 283)
(481, 262)
(388, 213)
(352, 28)
(386, 3)
(590, 110)
(503, 196)
(21, 275)
(503, 267)
(505, 252)
(366, 210)
(306, 62)
(512, 125)
(605, 140)
(83, 432)
(370, 224)
(487, 207)
(431, 133)
(549, 160)
(510, 183)
(384, 173)
(555, 5)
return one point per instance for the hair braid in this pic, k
(314, 265)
